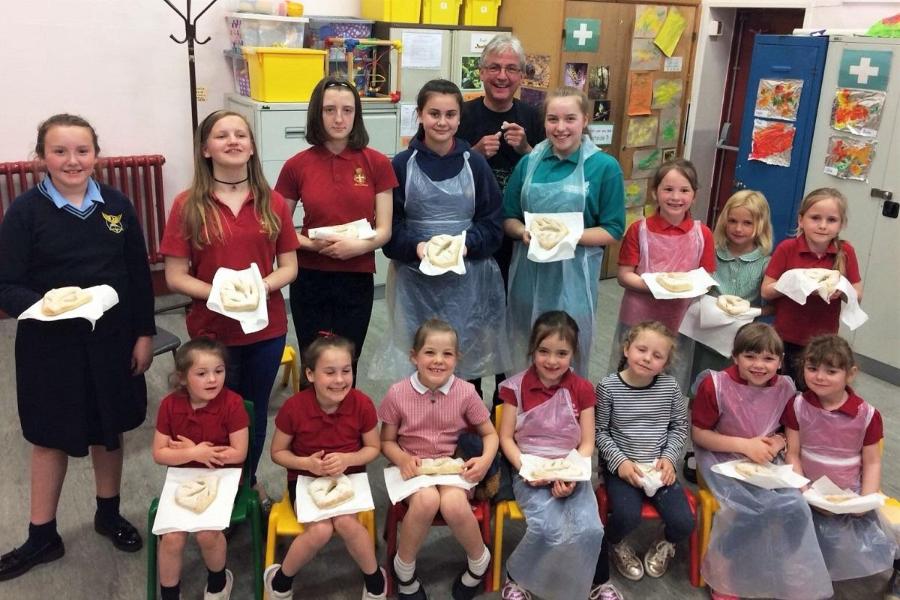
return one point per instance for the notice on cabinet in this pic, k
(422, 49)
(409, 122)
(601, 134)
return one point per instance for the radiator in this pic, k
(138, 177)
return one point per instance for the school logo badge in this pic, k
(113, 222)
(359, 178)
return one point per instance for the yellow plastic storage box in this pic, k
(440, 12)
(481, 12)
(284, 74)
(397, 11)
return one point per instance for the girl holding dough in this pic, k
(80, 386)
(822, 216)
(736, 414)
(445, 189)
(641, 426)
(337, 181)
(327, 430)
(833, 432)
(423, 416)
(201, 424)
(564, 173)
(229, 218)
(549, 411)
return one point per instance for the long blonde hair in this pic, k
(758, 207)
(816, 196)
(200, 215)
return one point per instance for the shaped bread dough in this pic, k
(441, 466)
(675, 282)
(647, 469)
(827, 280)
(839, 498)
(443, 250)
(749, 469)
(733, 305)
(548, 231)
(64, 299)
(347, 231)
(328, 492)
(239, 294)
(555, 468)
(197, 494)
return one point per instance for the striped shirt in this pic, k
(740, 275)
(640, 424)
(429, 423)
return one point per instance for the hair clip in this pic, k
(325, 334)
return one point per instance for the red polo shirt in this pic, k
(630, 252)
(874, 432)
(213, 423)
(313, 429)
(336, 189)
(535, 393)
(797, 323)
(705, 406)
(242, 243)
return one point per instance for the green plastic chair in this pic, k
(246, 508)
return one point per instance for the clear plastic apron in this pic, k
(831, 444)
(560, 533)
(472, 303)
(569, 285)
(763, 544)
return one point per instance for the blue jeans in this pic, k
(251, 372)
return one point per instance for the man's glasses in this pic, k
(497, 69)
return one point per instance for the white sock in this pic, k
(405, 572)
(477, 566)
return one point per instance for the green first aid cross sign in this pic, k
(865, 69)
(582, 35)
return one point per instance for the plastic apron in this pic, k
(831, 444)
(762, 544)
(474, 303)
(569, 285)
(560, 533)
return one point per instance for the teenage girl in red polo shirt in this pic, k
(230, 218)
(337, 181)
(201, 424)
(326, 430)
(822, 216)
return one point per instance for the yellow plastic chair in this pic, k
(708, 507)
(505, 509)
(291, 368)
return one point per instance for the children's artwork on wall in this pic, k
(582, 35)
(645, 162)
(644, 55)
(537, 71)
(857, 111)
(470, 78)
(670, 33)
(669, 154)
(634, 213)
(532, 97)
(648, 20)
(598, 82)
(640, 94)
(575, 75)
(601, 110)
(635, 192)
(669, 127)
(641, 131)
(667, 93)
(772, 142)
(849, 158)
(778, 99)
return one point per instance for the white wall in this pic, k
(112, 62)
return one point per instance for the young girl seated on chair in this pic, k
(422, 417)
(736, 414)
(549, 410)
(201, 424)
(642, 422)
(833, 432)
(328, 429)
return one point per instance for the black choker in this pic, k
(233, 184)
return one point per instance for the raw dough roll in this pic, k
(556, 468)
(549, 231)
(441, 466)
(733, 305)
(197, 494)
(328, 492)
(347, 231)
(240, 294)
(64, 299)
(749, 469)
(675, 282)
(443, 250)
(827, 280)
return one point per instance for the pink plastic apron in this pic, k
(831, 442)
(749, 411)
(662, 253)
(549, 430)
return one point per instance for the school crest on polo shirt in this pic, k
(359, 178)
(113, 222)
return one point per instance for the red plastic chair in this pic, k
(480, 508)
(649, 512)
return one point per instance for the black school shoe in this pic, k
(461, 591)
(19, 561)
(689, 470)
(123, 534)
(419, 594)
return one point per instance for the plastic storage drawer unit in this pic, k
(265, 30)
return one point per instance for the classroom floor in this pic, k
(93, 569)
